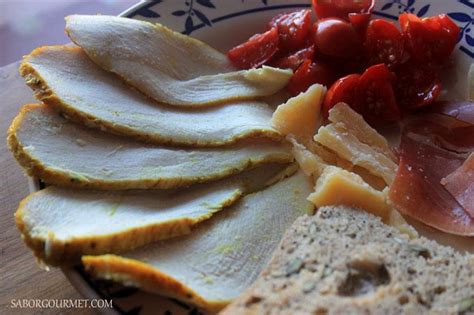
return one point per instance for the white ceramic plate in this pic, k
(225, 23)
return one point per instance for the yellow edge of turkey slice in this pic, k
(155, 278)
(66, 175)
(257, 128)
(56, 252)
(168, 66)
(59, 231)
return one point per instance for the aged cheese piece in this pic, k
(300, 115)
(168, 66)
(310, 163)
(60, 225)
(221, 257)
(355, 124)
(98, 160)
(66, 79)
(347, 146)
(336, 186)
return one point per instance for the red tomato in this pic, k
(341, 8)
(429, 40)
(360, 21)
(417, 85)
(293, 28)
(383, 43)
(256, 51)
(336, 38)
(376, 97)
(343, 90)
(294, 60)
(309, 73)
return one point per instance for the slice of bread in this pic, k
(346, 261)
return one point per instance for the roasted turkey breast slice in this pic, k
(168, 66)
(67, 154)
(221, 257)
(60, 225)
(66, 79)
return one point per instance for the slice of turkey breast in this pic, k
(60, 225)
(168, 66)
(221, 257)
(67, 154)
(66, 79)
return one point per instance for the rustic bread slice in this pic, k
(93, 159)
(168, 66)
(66, 79)
(221, 257)
(346, 261)
(60, 225)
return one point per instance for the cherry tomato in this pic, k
(343, 90)
(309, 73)
(376, 98)
(341, 8)
(429, 40)
(417, 85)
(360, 21)
(293, 28)
(256, 51)
(294, 60)
(383, 43)
(336, 38)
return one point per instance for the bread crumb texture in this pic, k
(346, 261)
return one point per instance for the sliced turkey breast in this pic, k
(221, 257)
(66, 79)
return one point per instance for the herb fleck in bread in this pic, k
(345, 261)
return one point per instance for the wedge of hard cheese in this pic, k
(221, 257)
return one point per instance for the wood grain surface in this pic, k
(20, 275)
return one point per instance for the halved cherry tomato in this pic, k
(309, 73)
(293, 28)
(376, 98)
(343, 90)
(417, 85)
(336, 38)
(429, 40)
(383, 43)
(294, 60)
(341, 8)
(256, 51)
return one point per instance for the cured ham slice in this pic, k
(444, 133)
(66, 79)
(460, 185)
(462, 111)
(60, 225)
(221, 257)
(167, 66)
(417, 191)
(94, 159)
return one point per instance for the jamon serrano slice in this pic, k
(168, 66)
(417, 190)
(460, 185)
